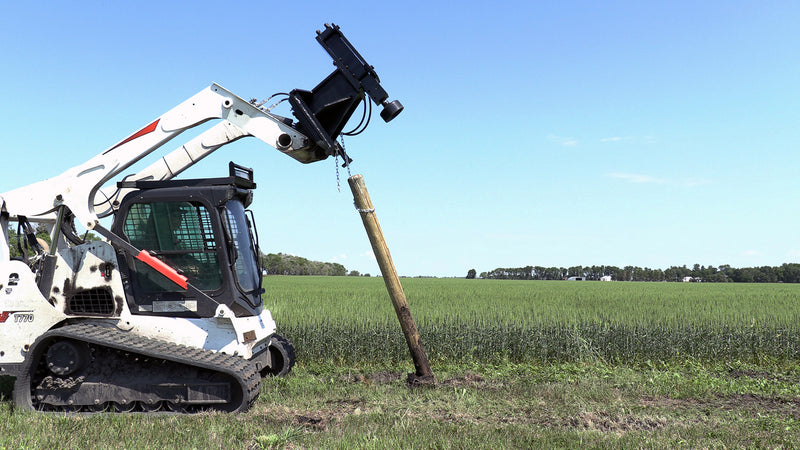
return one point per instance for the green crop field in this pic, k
(351, 320)
(518, 364)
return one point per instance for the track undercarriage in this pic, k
(92, 368)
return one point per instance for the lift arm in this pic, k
(172, 164)
(77, 186)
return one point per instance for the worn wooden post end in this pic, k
(424, 375)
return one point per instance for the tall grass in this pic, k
(350, 319)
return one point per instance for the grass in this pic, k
(567, 405)
(518, 365)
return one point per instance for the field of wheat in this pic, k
(351, 320)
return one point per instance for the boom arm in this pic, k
(172, 164)
(77, 186)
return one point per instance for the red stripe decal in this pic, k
(146, 130)
(4, 316)
(162, 268)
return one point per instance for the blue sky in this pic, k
(534, 133)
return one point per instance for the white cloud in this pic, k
(634, 139)
(563, 141)
(752, 253)
(569, 142)
(369, 254)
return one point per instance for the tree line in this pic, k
(786, 273)
(283, 264)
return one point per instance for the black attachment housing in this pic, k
(323, 112)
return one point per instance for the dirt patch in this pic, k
(373, 378)
(316, 423)
(468, 380)
(606, 422)
(745, 402)
(385, 377)
(313, 419)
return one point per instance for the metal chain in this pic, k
(341, 139)
(336, 164)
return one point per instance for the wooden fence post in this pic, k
(423, 376)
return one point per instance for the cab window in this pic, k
(180, 234)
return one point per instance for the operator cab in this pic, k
(202, 229)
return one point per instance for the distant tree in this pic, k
(273, 264)
(575, 271)
(354, 273)
(790, 273)
(471, 274)
(283, 264)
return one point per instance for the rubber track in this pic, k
(244, 372)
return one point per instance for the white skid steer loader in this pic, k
(165, 312)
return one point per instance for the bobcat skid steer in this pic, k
(164, 313)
